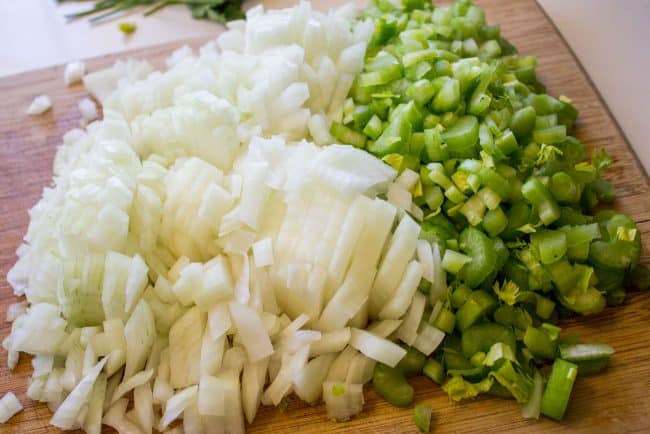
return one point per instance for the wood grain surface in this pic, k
(615, 401)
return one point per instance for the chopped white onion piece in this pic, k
(425, 257)
(342, 400)
(74, 72)
(252, 387)
(142, 377)
(330, 342)
(263, 252)
(9, 406)
(66, 415)
(251, 331)
(177, 404)
(211, 396)
(408, 331)
(384, 328)
(428, 339)
(88, 111)
(15, 310)
(379, 349)
(39, 105)
(401, 300)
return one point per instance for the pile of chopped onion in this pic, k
(199, 254)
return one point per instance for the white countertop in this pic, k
(608, 36)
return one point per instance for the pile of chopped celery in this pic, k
(505, 191)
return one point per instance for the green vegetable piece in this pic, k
(551, 135)
(518, 384)
(462, 137)
(473, 210)
(604, 190)
(551, 245)
(499, 351)
(460, 295)
(507, 143)
(394, 138)
(433, 197)
(495, 221)
(347, 135)
(373, 128)
(127, 28)
(638, 278)
(585, 352)
(458, 389)
(538, 195)
(434, 370)
(481, 337)
(564, 188)
(436, 150)
(480, 249)
(448, 97)
(445, 321)
(412, 363)
(558, 389)
(391, 385)
(493, 180)
(544, 307)
(523, 121)
(513, 316)
(422, 417)
(539, 343)
(421, 92)
(544, 104)
(453, 261)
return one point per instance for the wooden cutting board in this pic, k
(616, 401)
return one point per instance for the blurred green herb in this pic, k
(219, 11)
(127, 28)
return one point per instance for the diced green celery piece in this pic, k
(412, 58)
(453, 261)
(544, 104)
(422, 417)
(394, 137)
(558, 389)
(437, 174)
(412, 363)
(576, 353)
(551, 245)
(523, 121)
(448, 97)
(462, 137)
(481, 337)
(481, 249)
(550, 135)
(518, 384)
(421, 92)
(473, 210)
(361, 116)
(538, 195)
(347, 135)
(455, 195)
(506, 142)
(374, 127)
(433, 197)
(539, 343)
(434, 370)
(544, 307)
(489, 197)
(445, 321)
(546, 121)
(514, 316)
(495, 221)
